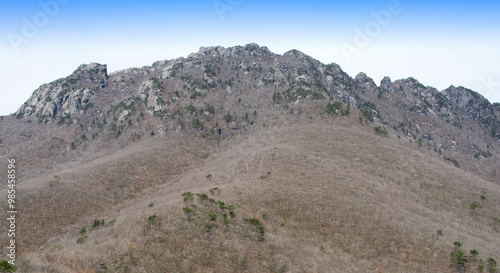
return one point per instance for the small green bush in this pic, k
(82, 230)
(6, 266)
(97, 223)
(208, 227)
(474, 206)
(196, 123)
(381, 131)
(212, 216)
(81, 239)
(187, 195)
(454, 161)
(231, 211)
(458, 256)
(152, 218)
(480, 265)
(492, 265)
(228, 117)
(256, 222)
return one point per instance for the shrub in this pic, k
(6, 266)
(458, 257)
(209, 108)
(196, 123)
(156, 83)
(110, 222)
(231, 211)
(256, 222)
(82, 230)
(207, 226)
(81, 239)
(195, 95)
(187, 195)
(346, 111)
(202, 195)
(187, 210)
(152, 218)
(317, 96)
(191, 109)
(439, 233)
(277, 97)
(381, 131)
(212, 216)
(492, 265)
(331, 108)
(454, 161)
(97, 223)
(210, 71)
(228, 117)
(474, 206)
(473, 254)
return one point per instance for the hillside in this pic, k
(297, 167)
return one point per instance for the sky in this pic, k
(440, 43)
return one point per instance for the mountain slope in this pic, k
(331, 195)
(332, 173)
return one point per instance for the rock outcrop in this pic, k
(68, 96)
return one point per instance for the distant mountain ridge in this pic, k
(220, 92)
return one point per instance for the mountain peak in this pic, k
(67, 95)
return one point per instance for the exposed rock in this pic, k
(386, 85)
(66, 96)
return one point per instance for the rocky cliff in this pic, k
(222, 92)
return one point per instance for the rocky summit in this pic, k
(239, 159)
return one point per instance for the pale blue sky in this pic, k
(439, 43)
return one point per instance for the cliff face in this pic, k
(222, 92)
(67, 96)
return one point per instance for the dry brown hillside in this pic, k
(331, 196)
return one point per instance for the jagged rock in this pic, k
(468, 103)
(152, 93)
(66, 96)
(386, 85)
(364, 82)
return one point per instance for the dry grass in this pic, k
(332, 195)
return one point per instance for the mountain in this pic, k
(240, 159)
